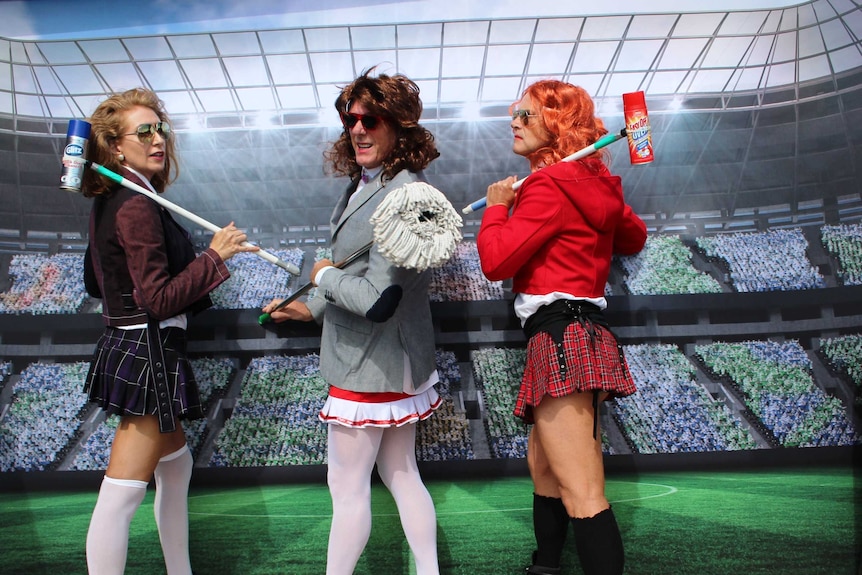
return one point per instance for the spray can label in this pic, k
(637, 128)
(74, 152)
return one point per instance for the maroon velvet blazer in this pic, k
(142, 263)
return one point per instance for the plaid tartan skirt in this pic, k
(120, 380)
(594, 364)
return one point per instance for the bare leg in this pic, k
(564, 428)
(564, 431)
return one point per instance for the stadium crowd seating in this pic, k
(497, 372)
(44, 284)
(274, 421)
(844, 241)
(664, 267)
(274, 418)
(254, 282)
(756, 262)
(774, 260)
(43, 416)
(461, 279)
(671, 412)
(775, 380)
(844, 355)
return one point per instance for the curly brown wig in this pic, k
(395, 99)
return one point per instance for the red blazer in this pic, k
(142, 263)
(567, 222)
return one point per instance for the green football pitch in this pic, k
(788, 522)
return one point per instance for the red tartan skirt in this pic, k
(594, 364)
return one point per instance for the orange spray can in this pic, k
(637, 128)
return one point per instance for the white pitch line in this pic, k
(670, 491)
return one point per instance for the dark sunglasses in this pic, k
(369, 122)
(523, 115)
(145, 132)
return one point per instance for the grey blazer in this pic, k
(372, 311)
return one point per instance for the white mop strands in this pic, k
(416, 227)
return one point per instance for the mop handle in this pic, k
(265, 317)
(601, 143)
(286, 266)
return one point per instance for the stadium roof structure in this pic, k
(750, 107)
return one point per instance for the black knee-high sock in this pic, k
(550, 525)
(599, 544)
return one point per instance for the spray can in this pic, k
(74, 155)
(637, 128)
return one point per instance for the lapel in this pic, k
(342, 203)
(344, 210)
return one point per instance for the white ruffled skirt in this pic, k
(384, 414)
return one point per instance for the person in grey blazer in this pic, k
(377, 349)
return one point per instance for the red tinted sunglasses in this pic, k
(368, 121)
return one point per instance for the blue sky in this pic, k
(64, 19)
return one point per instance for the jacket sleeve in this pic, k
(506, 243)
(139, 230)
(371, 288)
(630, 235)
(316, 305)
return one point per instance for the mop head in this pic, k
(416, 227)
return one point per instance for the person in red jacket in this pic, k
(567, 221)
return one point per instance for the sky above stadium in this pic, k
(64, 19)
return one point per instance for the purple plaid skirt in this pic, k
(120, 380)
(594, 364)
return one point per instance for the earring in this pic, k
(121, 157)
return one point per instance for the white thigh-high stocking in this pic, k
(350, 453)
(108, 535)
(171, 508)
(396, 464)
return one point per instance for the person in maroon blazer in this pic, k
(567, 221)
(143, 266)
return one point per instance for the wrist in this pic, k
(318, 275)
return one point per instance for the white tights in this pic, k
(119, 499)
(171, 508)
(352, 453)
(108, 535)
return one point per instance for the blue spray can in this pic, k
(74, 155)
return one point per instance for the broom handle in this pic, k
(601, 143)
(272, 258)
(266, 317)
